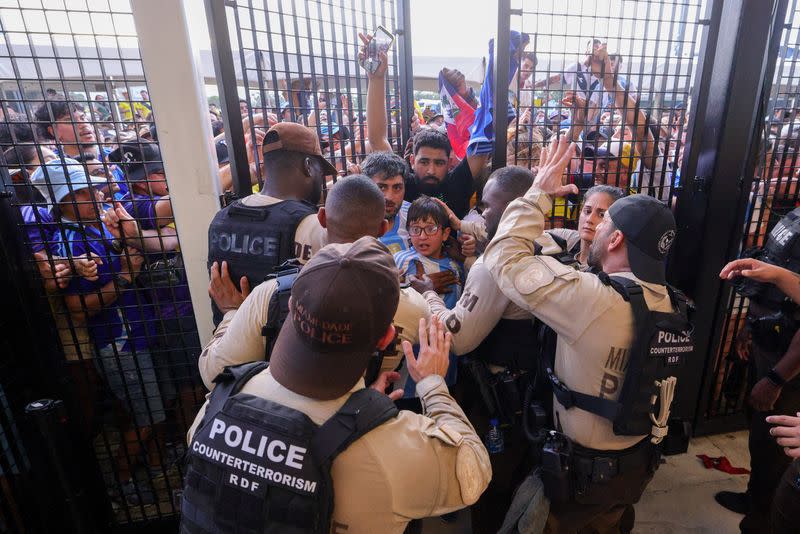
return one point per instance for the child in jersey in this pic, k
(428, 227)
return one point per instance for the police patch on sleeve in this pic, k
(533, 278)
(469, 475)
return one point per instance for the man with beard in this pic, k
(388, 171)
(608, 471)
(431, 154)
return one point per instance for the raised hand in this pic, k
(380, 72)
(434, 350)
(552, 166)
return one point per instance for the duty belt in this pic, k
(601, 466)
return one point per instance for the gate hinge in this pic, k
(517, 11)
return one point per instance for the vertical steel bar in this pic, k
(405, 70)
(501, 81)
(228, 95)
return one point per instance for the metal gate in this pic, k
(101, 325)
(772, 195)
(297, 61)
(96, 238)
(72, 82)
(654, 50)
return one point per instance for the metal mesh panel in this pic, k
(98, 230)
(298, 62)
(630, 130)
(773, 195)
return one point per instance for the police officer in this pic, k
(595, 328)
(767, 342)
(256, 234)
(274, 448)
(354, 208)
(502, 334)
(785, 514)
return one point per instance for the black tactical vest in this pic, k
(254, 240)
(257, 466)
(511, 344)
(782, 249)
(662, 342)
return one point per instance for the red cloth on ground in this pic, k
(721, 463)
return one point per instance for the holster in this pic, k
(588, 476)
(502, 393)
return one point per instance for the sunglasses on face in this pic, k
(416, 231)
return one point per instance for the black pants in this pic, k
(767, 459)
(604, 507)
(509, 468)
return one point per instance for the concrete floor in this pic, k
(681, 496)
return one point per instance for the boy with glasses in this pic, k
(429, 228)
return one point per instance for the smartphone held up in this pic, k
(382, 40)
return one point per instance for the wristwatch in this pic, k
(775, 378)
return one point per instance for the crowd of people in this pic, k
(429, 306)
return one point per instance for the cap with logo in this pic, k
(138, 160)
(63, 177)
(298, 138)
(649, 229)
(342, 303)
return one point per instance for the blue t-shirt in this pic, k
(397, 239)
(39, 226)
(122, 321)
(142, 208)
(119, 175)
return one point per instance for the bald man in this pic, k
(354, 208)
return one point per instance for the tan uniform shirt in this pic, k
(411, 467)
(482, 304)
(309, 237)
(593, 322)
(238, 337)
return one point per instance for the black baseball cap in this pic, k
(138, 160)
(342, 304)
(649, 229)
(222, 152)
